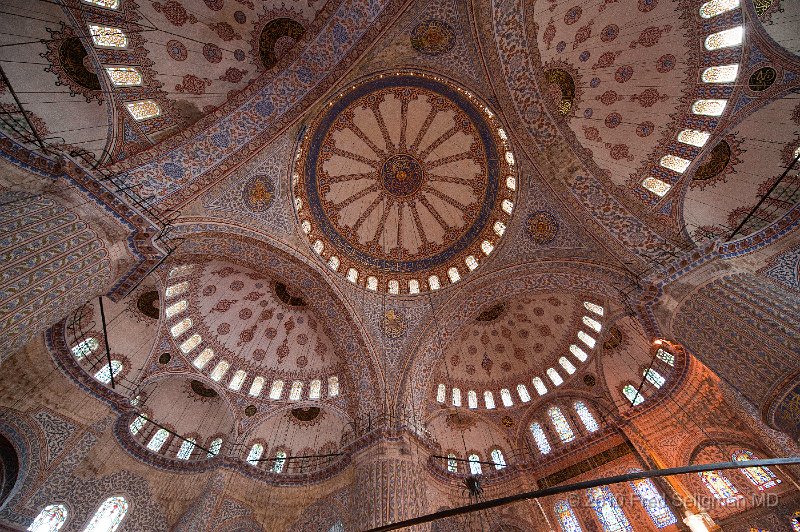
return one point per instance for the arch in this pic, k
(9, 469)
(50, 519)
(109, 515)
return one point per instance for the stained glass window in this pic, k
(452, 463)
(709, 107)
(255, 453)
(586, 416)
(653, 502)
(498, 459)
(656, 186)
(597, 309)
(180, 327)
(143, 110)
(586, 339)
(108, 37)
(158, 439)
(717, 7)
(337, 527)
(256, 387)
(505, 396)
(203, 358)
(280, 461)
(554, 376)
(276, 390)
(181, 270)
(488, 399)
(237, 380)
(105, 373)
(499, 228)
(761, 476)
(333, 386)
(579, 353)
(487, 247)
(50, 519)
(453, 274)
(567, 365)
(456, 397)
(675, 163)
(137, 424)
(719, 486)
(796, 522)
(474, 464)
(214, 448)
(538, 385)
(108, 4)
(632, 395)
(725, 38)
(566, 517)
(433, 282)
(108, 517)
(219, 370)
(694, 137)
(561, 424)
(124, 76)
(85, 347)
(186, 449)
(666, 357)
(608, 511)
(177, 308)
(720, 74)
(296, 391)
(540, 438)
(522, 391)
(654, 377)
(472, 399)
(441, 393)
(315, 389)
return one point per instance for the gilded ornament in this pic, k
(542, 227)
(432, 37)
(393, 324)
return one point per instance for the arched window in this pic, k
(632, 394)
(488, 399)
(137, 425)
(277, 389)
(586, 339)
(554, 376)
(333, 386)
(505, 396)
(85, 347)
(256, 386)
(719, 486)
(560, 424)
(656, 186)
(203, 358)
(472, 399)
(474, 464)
(655, 378)
(717, 7)
(50, 519)
(186, 449)
(540, 438)
(539, 386)
(725, 38)
(255, 453)
(456, 397)
(297, 391)
(666, 357)
(192, 342)
(181, 327)
(597, 309)
(653, 502)
(158, 439)
(108, 517)
(177, 308)
(608, 511)
(579, 353)
(586, 416)
(104, 374)
(498, 459)
(761, 477)
(566, 517)
(220, 370)
(214, 448)
(177, 289)
(568, 366)
(796, 522)
(522, 391)
(452, 463)
(315, 389)
(183, 269)
(237, 380)
(280, 461)
(441, 393)
(592, 323)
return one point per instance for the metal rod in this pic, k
(159, 425)
(105, 337)
(555, 490)
(24, 114)
(465, 460)
(287, 458)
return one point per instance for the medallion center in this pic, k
(402, 175)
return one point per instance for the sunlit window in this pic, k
(214, 448)
(654, 377)
(237, 380)
(592, 307)
(522, 391)
(413, 286)
(394, 286)
(85, 347)
(255, 388)
(709, 107)
(315, 389)
(333, 263)
(505, 397)
(452, 463)
(456, 397)
(137, 425)
(433, 282)
(471, 262)
(453, 274)
(474, 464)
(105, 373)
(540, 438)
(694, 137)
(441, 392)
(607, 509)
(203, 358)
(675, 163)
(567, 365)
(108, 517)
(586, 416)
(144, 109)
(255, 453)
(725, 38)
(554, 376)
(498, 459)
(538, 385)
(50, 519)
(296, 392)
(653, 502)
(333, 386)
(586, 339)
(720, 74)
(220, 370)
(666, 357)
(181, 327)
(157, 441)
(717, 7)
(579, 353)
(318, 247)
(656, 186)
(276, 390)
(177, 289)
(566, 517)
(508, 206)
(352, 275)
(561, 424)
(107, 4)
(760, 476)
(177, 308)
(108, 37)
(719, 486)
(488, 399)
(592, 323)
(372, 283)
(280, 461)
(499, 228)
(183, 269)
(632, 394)
(472, 399)
(124, 76)
(185, 452)
(487, 247)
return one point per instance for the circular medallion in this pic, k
(250, 411)
(762, 79)
(405, 183)
(542, 227)
(258, 194)
(148, 304)
(164, 358)
(432, 37)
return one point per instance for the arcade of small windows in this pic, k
(560, 429)
(653, 378)
(155, 438)
(474, 463)
(608, 512)
(277, 464)
(107, 518)
(723, 489)
(578, 351)
(86, 347)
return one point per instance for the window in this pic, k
(108, 37)
(720, 74)
(255, 388)
(505, 396)
(717, 7)
(203, 358)
(693, 137)
(456, 397)
(725, 38)
(333, 386)
(315, 389)
(472, 399)
(474, 464)
(654, 377)
(539, 386)
(318, 247)
(176, 289)
(522, 391)
(277, 389)
(453, 275)
(105, 374)
(84, 348)
(181, 327)
(413, 286)
(452, 463)
(656, 186)
(214, 448)
(488, 399)
(507, 206)
(189, 345)
(433, 282)
(50, 519)
(540, 438)
(441, 393)
(255, 453)
(554, 376)
(666, 357)
(394, 286)
(352, 275)
(761, 477)
(653, 502)
(709, 107)
(177, 271)
(157, 441)
(177, 308)
(632, 394)
(124, 76)
(280, 461)
(579, 353)
(586, 417)
(333, 263)
(498, 459)
(186, 449)
(593, 324)
(586, 339)
(471, 262)
(675, 163)
(719, 486)
(143, 110)
(108, 517)
(237, 380)
(337, 527)
(108, 4)
(592, 307)
(561, 424)
(487, 247)
(499, 228)
(608, 511)
(137, 424)
(567, 365)
(511, 182)
(219, 370)
(796, 522)
(566, 517)
(296, 391)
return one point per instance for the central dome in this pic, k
(404, 182)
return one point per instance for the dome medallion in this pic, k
(404, 183)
